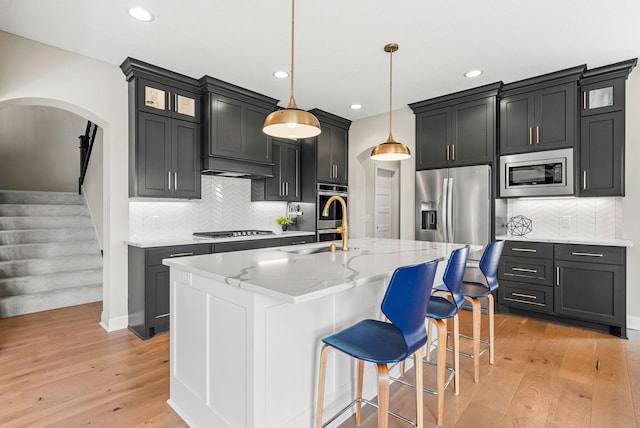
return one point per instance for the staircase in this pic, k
(49, 254)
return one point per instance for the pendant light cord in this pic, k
(390, 138)
(292, 102)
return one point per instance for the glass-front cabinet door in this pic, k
(602, 97)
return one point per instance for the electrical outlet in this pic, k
(566, 222)
(155, 222)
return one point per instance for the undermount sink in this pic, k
(311, 250)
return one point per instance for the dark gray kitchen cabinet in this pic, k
(591, 285)
(580, 284)
(163, 99)
(167, 157)
(148, 285)
(457, 129)
(602, 130)
(526, 276)
(233, 139)
(164, 132)
(602, 155)
(543, 119)
(285, 183)
(332, 148)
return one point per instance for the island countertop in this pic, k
(296, 274)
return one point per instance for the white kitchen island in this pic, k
(246, 328)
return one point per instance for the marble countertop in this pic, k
(189, 240)
(568, 240)
(288, 274)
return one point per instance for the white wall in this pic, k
(363, 136)
(39, 149)
(36, 74)
(92, 187)
(631, 202)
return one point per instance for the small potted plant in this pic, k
(284, 222)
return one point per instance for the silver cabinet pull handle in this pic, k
(584, 100)
(530, 135)
(537, 135)
(453, 152)
(517, 269)
(175, 102)
(557, 275)
(525, 250)
(169, 175)
(175, 181)
(447, 152)
(527, 296)
(574, 253)
(181, 254)
(584, 179)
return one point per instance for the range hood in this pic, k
(227, 167)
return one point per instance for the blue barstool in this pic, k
(405, 305)
(474, 292)
(440, 309)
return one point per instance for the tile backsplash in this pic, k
(225, 205)
(593, 218)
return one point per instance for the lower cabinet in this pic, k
(583, 284)
(149, 278)
(149, 286)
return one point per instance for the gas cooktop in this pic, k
(232, 233)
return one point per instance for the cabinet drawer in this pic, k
(155, 256)
(520, 269)
(226, 247)
(591, 254)
(526, 296)
(538, 250)
(297, 240)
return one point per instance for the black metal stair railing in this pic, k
(86, 146)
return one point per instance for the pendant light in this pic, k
(390, 150)
(292, 122)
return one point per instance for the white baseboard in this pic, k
(633, 323)
(113, 324)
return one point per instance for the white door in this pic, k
(387, 199)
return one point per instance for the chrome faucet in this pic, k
(344, 228)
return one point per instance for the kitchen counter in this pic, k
(247, 327)
(568, 240)
(189, 240)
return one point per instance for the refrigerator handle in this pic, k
(450, 211)
(445, 209)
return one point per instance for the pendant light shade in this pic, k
(390, 150)
(292, 122)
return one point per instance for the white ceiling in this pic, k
(339, 43)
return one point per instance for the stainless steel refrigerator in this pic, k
(454, 205)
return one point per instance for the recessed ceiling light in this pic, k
(280, 74)
(473, 73)
(140, 14)
(355, 106)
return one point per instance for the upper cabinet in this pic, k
(602, 130)
(540, 113)
(233, 137)
(457, 129)
(164, 132)
(330, 149)
(285, 183)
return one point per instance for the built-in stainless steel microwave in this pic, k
(543, 173)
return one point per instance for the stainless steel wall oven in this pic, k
(334, 219)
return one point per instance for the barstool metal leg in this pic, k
(383, 396)
(323, 372)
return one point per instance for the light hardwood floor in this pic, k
(61, 369)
